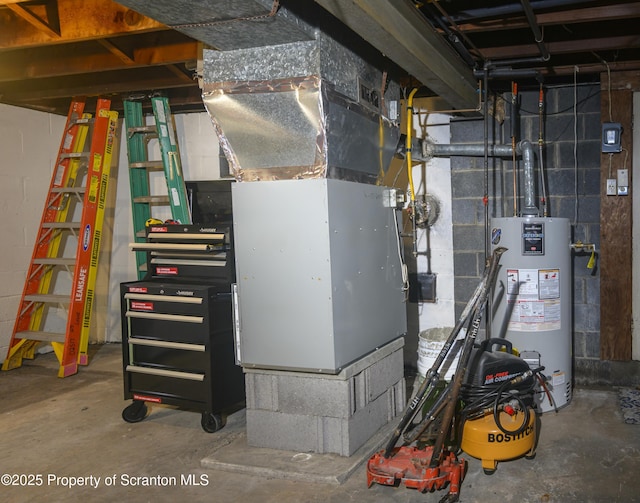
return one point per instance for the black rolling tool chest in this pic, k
(177, 323)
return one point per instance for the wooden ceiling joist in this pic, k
(51, 49)
(43, 17)
(116, 51)
(79, 20)
(57, 61)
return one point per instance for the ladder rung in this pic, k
(151, 130)
(152, 199)
(33, 335)
(68, 190)
(75, 155)
(61, 225)
(55, 261)
(147, 164)
(83, 120)
(48, 297)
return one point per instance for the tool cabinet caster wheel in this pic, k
(487, 471)
(211, 422)
(135, 412)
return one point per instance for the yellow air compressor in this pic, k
(484, 440)
(497, 420)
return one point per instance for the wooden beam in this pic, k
(615, 237)
(615, 66)
(568, 47)
(79, 20)
(621, 81)
(94, 84)
(116, 51)
(58, 61)
(49, 26)
(180, 74)
(182, 99)
(566, 17)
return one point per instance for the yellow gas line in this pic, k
(412, 191)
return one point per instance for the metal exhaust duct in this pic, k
(524, 148)
(308, 109)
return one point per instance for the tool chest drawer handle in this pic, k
(219, 254)
(168, 344)
(165, 373)
(165, 317)
(181, 261)
(217, 236)
(163, 298)
(171, 246)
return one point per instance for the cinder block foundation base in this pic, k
(307, 412)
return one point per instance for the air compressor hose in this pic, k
(523, 407)
(483, 399)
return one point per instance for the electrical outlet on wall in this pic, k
(612, 187)
(623, 182)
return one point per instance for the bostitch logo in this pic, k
(504, 437)
(86, 238)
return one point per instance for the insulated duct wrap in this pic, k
(309, 109)
(227, 24)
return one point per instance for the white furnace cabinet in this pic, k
(319, 280)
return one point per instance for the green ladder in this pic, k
(143, 201)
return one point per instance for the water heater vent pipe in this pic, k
(524, 148)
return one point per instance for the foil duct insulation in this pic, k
(308, 109)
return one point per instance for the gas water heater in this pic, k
(532, 299)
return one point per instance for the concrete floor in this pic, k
(60, 431)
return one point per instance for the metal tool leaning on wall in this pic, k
(433, 466)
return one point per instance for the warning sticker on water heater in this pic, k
(534, 296)
(549, 280)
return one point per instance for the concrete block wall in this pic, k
(571, 155)
(574, 189)
(325, 413)
(29, 142)
(433, 178)
(468, 210)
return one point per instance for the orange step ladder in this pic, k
(55, 307)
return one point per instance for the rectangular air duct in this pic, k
(309, 109)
